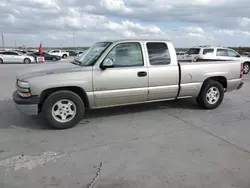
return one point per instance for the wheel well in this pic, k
(247, 62)
(220, 79)
(79, 91)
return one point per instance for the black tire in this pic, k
(64, 56)
(53, 59)
(1, 61)
(26, 61)
(202, 99)
(246, 68)
(58, 96)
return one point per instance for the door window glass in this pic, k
(232, 53)
(126, 55)
(222, 52)
(208, 52)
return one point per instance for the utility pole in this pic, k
(2, 41)
(73, 39)
(15, 44)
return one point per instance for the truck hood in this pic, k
(43, 69)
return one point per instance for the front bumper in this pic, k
(28, 106)
(240, 86)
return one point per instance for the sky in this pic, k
(64, 23)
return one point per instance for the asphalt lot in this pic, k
(169, 144)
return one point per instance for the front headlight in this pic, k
(23, 84)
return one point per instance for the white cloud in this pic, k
(185, 22)
(225, 32)
(197, 30)
(244, 22)
(115, 5)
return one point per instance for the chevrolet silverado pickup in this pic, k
(121, 73)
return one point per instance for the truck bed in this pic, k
(193, 74)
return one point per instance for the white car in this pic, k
(60, 53)
(15, 57)
(216, 53)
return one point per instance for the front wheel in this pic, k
(246, 68)
(211, 95)
(53, 59)
(27, 61)
(1, 61)
(63, 109)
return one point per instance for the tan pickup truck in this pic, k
(121, 73)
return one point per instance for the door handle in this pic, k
(142, 74)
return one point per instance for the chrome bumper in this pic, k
(28, 106)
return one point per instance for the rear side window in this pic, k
(208, 51)
(10, 53)
(222, 52)
(158, 53)
(6, 53)
(193, 51)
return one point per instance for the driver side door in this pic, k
(126, 82)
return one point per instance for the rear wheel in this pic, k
(211, 95)
(64, 56)
(246, 68)
(63, 109)
(27, 61)
(1, 60)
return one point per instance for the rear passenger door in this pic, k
(163, 76)
(208, 53)
(7, 57)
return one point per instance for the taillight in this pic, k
(241, 70)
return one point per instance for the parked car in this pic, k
(47, 57)
(21, 51)
(121, 73)
(80, 53)
(30, 51)
(60, 53)
(15, 57)
(180, 55)
(72, 53)
(217, 53)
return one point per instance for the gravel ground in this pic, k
(169, 144)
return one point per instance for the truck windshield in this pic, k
(92, 54)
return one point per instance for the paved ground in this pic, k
(168, 144)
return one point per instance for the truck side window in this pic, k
(208, 51)
(127, 55)
(222, 52)
(232, 53)
(158, 53)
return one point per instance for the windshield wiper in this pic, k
(76, 62)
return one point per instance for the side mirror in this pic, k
(107, 63)
(238, 56)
